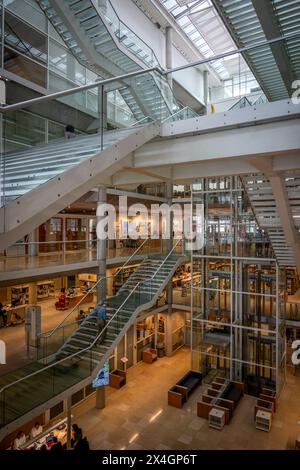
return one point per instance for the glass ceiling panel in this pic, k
(201, 23)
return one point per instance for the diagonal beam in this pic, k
(266, 15)
(285, 214)
(152, 174)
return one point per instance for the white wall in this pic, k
(191, 79)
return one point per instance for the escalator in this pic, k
(29, 391)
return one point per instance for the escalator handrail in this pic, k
(92, 289)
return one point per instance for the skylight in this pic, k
(201, 23)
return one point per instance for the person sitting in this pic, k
(19, 440)
(36, 430)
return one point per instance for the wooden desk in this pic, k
(14, 312)
(72, 301)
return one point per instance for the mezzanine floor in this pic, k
(15, 339)
(137, 416)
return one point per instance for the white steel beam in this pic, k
(187, 172)
(285, 214)
(271, 139)
(252, 115)
(24, 214)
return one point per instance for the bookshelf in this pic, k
(45, 290)
(20, 295)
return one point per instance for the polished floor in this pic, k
(14, 336)
(138, 417)
(16, 260)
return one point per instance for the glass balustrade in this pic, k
(28, 389)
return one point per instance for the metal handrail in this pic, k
(167, 257)
(141, 120)
(95, 340)
(92, 289)
(70, 91)
(127, 27)
(177, 112)
(81, 351)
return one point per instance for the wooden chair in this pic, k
(117, 378)
(150, 355)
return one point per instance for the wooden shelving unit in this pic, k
(216, 419)
(263, 420)
(45, 290)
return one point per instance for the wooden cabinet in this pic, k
(263, 420)
(216, 419)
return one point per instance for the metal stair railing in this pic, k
(92, 289)
(88, 348)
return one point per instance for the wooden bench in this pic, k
(224, 395)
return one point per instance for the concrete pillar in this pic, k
(32, 239)
(64, 235)
(102, 101)
(32, 293)
(69, 422)
(100, 398)
(71, 67)
(169, 53)
(169, 196)
(169, 334)
(205, 89)
(101, 250)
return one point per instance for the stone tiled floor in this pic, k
(138, 417)
(14, 336)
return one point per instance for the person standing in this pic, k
(69, 131)
(36, 430)
(3, 314)
(76, 434)
(100, 314)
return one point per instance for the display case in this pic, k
(45, 290)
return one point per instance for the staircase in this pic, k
(47, 178)
(27, 169)
(102, 43)
(260, 193)
(34, 388)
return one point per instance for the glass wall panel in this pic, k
(25, 39)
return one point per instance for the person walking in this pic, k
(100, 313)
